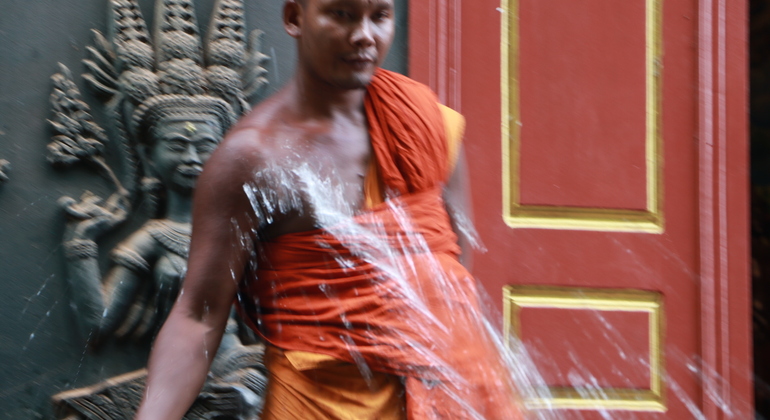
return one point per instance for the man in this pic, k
(324, 208)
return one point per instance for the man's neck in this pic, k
(319, 99)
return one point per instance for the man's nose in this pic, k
(191, 156)
(363, 34)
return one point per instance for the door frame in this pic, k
(724, 207)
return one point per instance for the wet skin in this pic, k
(317, 119)
(337, 150)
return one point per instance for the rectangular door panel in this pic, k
(573, 150)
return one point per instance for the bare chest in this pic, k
(315, 182)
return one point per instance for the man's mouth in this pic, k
(359, 60)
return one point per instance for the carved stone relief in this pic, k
(169, 101)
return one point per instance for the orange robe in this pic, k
(385, 291)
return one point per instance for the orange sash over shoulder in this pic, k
(384, 290)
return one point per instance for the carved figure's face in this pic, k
(341, 41)
(180, 149)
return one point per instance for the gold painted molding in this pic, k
(626, 300)
(518, 215)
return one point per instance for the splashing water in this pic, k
(388, 258)
(389, 241)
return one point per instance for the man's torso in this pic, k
(304, 164)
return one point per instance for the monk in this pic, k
(325, 211)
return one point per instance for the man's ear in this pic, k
(292, 12)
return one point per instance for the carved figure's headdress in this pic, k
(177, 75)
(146, 79)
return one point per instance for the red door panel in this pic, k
(608, 153)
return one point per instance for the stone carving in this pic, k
(233, 390)
(170, 101)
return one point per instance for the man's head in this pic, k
(340, 42)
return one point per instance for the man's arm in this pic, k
(458, 204)
(182, 353)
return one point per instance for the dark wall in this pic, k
(40, 352)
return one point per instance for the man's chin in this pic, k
(356, 81)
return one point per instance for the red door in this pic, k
(608, 151)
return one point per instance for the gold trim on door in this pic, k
(517, 297)
(518, 215)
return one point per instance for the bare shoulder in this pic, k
(247, 149)
(244, 150)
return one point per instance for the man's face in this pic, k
(342, 42)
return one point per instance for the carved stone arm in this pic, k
(101, 305)
(96, 306)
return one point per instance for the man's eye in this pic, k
(380, 16)
(341, 14)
